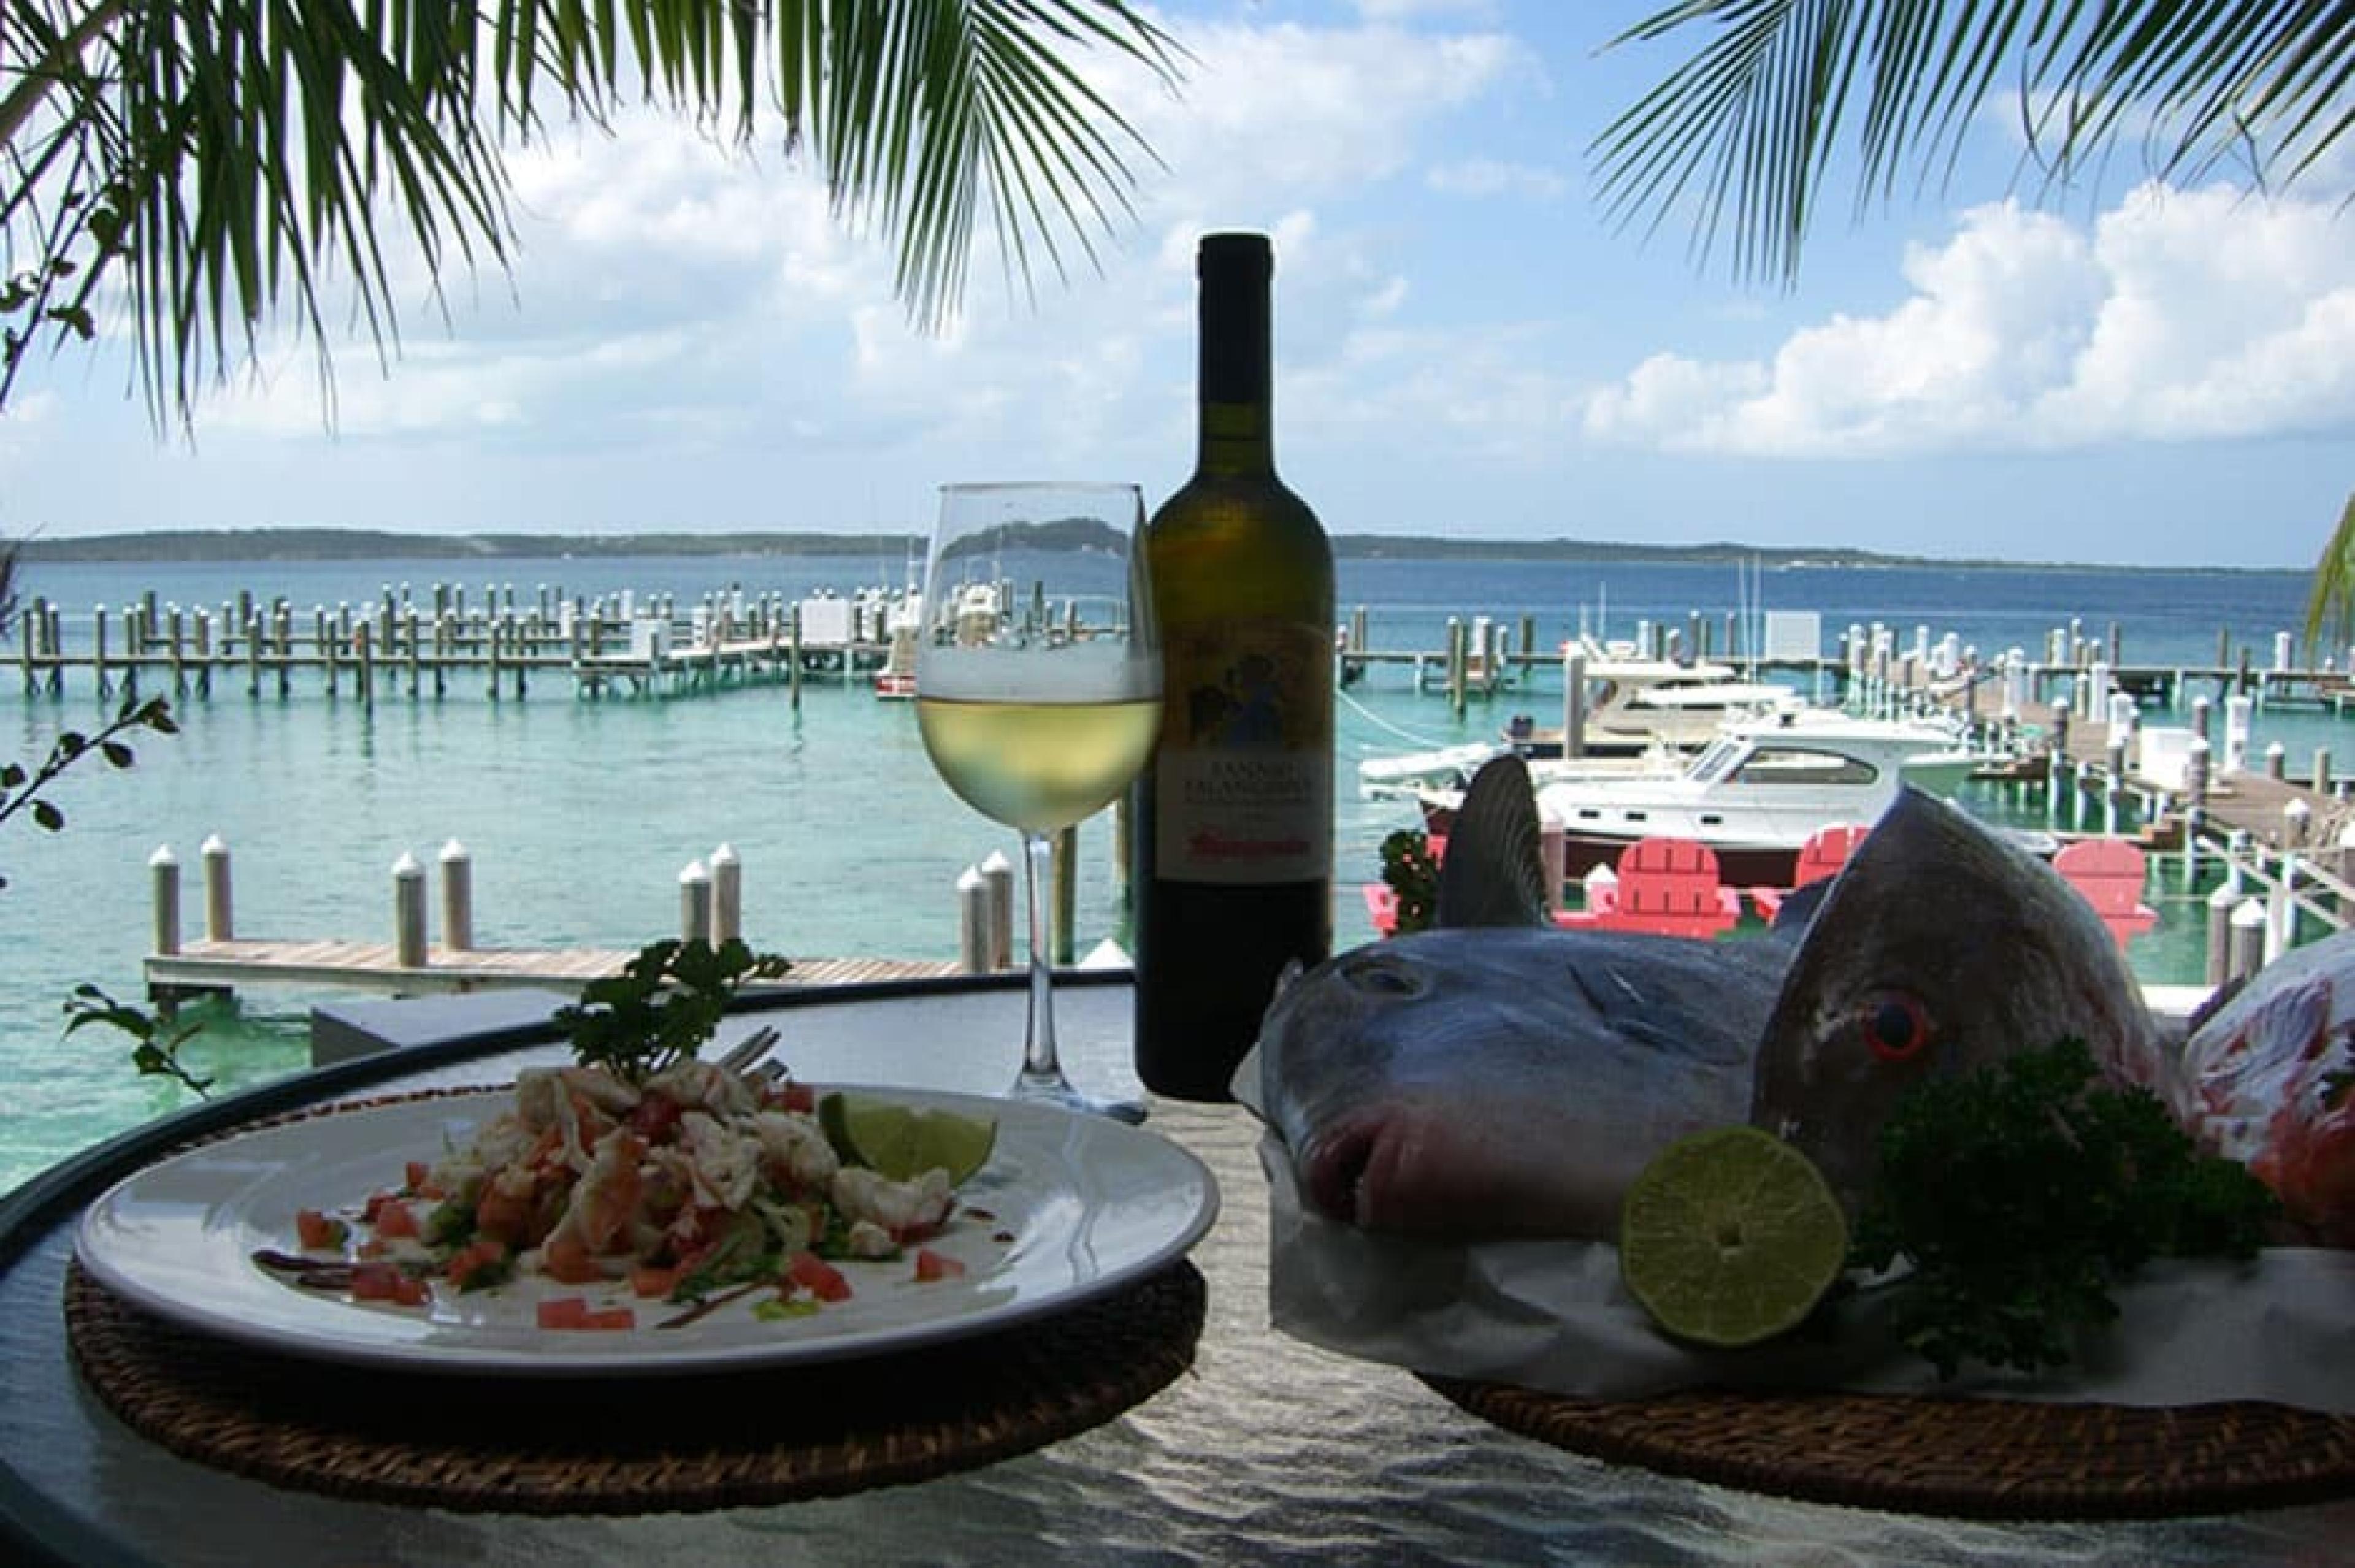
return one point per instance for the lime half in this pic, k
(1730, 1237)
(905, 1141)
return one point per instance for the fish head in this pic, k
(1938, 949)
(2269, 1081)
(1397, 1069)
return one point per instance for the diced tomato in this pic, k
(376, 1201)
(574, 1312)
(654, 1116)
(817, 1276)
(383, 1282)
(372, 1248)
(931, 1266)
(316, 1230)
(653, 1283)
(566, 1258)
(418, 1172)
(504, 1216)
(800, 1097)
(395, 1219)
(472, 1258)
(564, 1312)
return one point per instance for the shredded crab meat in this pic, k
(796, 1145)
(700, 1085)
(897, 1207)
(724, 1164)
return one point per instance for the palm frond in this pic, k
(227, 161)
(1745, 129)
(2330, 602)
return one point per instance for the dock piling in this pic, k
(457, 897)
(164, 881)
(409, 912)
(221, 924)
(727, 894)
(997, 871)
(695, 903)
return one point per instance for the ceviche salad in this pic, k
(673, 1192)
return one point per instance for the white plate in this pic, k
(1089, 1205)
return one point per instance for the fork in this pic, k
(739, 1057)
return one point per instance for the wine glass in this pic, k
(1038, 687)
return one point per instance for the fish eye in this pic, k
(1896, 1027)
(1378, 976)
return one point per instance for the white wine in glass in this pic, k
(1038, 687)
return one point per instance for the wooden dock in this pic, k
(421, 647)
(208, 965)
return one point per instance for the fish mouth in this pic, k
(1333, 1172)
(1358, 1173)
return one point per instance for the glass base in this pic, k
(1053, 1088)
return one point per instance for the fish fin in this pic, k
(1799, 905)
(2217, 1001)
(1494, 872)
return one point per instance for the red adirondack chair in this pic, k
(2109, 872)
(1669, 886)
(1825, 852)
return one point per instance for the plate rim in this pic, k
(507, 1362)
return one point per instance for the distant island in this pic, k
(371, 544)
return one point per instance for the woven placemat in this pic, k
(1975, 1459)
(634, 1445)
(631, 1444)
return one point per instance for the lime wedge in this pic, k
(1730, 1237)
(904, 1141)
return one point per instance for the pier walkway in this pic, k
(208, 965)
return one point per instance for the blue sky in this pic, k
(2134, 373)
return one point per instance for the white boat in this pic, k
(1754, 795)
(1636, 704)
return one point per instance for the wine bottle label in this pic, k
(1243, 783)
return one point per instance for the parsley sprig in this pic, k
(2020, 1193)
(663, 1006)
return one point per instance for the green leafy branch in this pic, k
(663, 1006)
(20, 788)
(159, 1036)
(2020, 1193)
(1412, 874)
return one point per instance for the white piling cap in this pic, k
(2251, 912)
(214, 844)
(162, 858)
(694, 872)
(724, 856)
(407, 866)
(452, 851)
(996, 861)
(969, 879)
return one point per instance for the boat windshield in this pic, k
(1718, 759)
(1781, 765)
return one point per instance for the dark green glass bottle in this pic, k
(1232, 860)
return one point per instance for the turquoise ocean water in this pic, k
(580, 814)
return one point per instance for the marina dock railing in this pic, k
(180, 967)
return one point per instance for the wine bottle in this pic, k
(1232, 856)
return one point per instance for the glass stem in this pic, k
(1039, 1059)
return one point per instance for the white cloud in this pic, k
(2177, 315)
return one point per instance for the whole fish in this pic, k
(2269, 1080)
(1496, 1076)
(1940, 948)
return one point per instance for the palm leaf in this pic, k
(1744, 130)
(2330, 604)
(227, 161)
